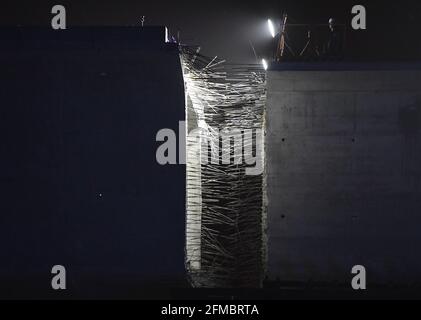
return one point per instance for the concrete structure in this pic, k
(79, 179)
(343, 149)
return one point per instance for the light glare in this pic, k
(271, 28)
(265, 64)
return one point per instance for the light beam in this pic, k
(265, 64)
(271, 28)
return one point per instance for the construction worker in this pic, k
(334, 42)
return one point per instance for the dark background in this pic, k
(225, 28)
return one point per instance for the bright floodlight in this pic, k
(265, 64)
(271, 28)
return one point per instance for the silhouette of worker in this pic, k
(334, 42)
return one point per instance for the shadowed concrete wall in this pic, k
(344, 175)
(80, 184)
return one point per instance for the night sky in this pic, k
(226, 28)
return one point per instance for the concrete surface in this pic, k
(80, 184)
(344, 175)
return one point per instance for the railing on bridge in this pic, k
(309, 42)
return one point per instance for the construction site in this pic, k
(293, 169)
